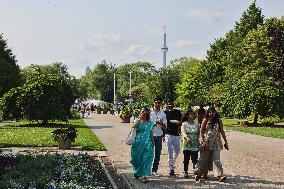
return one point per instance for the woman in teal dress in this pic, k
(142, 152)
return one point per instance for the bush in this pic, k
(10, 105)
(74, 114)
(53, 171)
(126, 112)
(67, 134)
(42, 98)
(270, 120)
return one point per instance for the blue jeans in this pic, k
(158, 149)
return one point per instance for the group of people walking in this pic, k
(199, 141)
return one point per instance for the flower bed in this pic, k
(52, 171)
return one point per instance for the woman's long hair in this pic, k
(216, 118)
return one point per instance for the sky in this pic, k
(83, 33)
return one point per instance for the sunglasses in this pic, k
(157, 102)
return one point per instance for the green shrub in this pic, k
(42, 98)
(270, 120)
(74, 114)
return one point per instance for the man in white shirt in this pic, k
(158, 117)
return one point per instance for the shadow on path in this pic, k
(166, 182)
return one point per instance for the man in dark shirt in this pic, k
(172, 134)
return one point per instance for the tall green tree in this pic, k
(188, 88)
(102, 81)
(9, 70)
(257, 88)
(141, 77)
(56, 68)
(225, 57)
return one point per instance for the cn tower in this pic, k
(165, 49)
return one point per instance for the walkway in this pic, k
(252, 161)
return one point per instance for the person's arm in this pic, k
(152, 138)
(224, 135)
(202, 130)
(136, 124)
(183, 132)
(163, 122)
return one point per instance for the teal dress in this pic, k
(142, 152)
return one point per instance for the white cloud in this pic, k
(135, 50)
(152, 32)
(183, 44)
(100, 40)
(204, 14)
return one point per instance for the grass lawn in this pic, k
(24, 134)
(262, 130)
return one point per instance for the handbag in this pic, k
(131, 137)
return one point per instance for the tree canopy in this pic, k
(9, 70)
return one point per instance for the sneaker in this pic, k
(221, 178)
(155, 173)
(172, 173)
(186, 174)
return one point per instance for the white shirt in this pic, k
(157, 130)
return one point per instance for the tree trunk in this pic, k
(255, 119)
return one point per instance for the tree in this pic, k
(44, 98)
(10, 105)
(9, 70)
(249, 20)
(141, 75)
(57, 68)
(261, 73)
(102, 81)
(47, 97)
(188, 89)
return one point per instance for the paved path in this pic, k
(252, 161)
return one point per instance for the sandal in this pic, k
(222, 178)
(197, 177)
(205, 176)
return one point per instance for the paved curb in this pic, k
(125, 181)
(114, 186)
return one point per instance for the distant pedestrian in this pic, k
(142, 149)
(88, 110)
(172, 134)
(92, 108)
(160, 120)
(190, 140)
(210, 139)
(82, 110)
